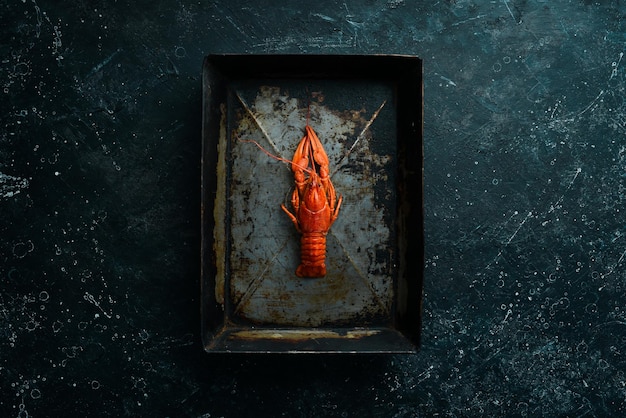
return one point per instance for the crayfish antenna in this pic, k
(308, 111)
(276, 157)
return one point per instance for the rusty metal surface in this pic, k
(255, 247)
(264, 244)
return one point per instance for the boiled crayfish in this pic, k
(315, 204)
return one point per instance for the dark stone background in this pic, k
(525, 168)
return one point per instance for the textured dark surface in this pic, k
(525, 146)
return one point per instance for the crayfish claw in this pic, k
(319, 155)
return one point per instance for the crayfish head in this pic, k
(315, 197)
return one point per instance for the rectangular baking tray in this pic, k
(367, 112)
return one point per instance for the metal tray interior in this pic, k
(367, 111)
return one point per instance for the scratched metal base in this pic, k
(370, 126)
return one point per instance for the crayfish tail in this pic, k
(311, 272)
(312, 255)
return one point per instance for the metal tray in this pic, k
(367, 112)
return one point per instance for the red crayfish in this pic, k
(314, 201)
